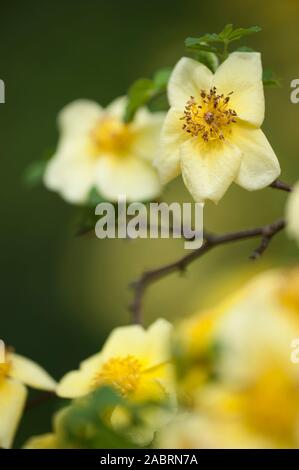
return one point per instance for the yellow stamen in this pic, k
(210, 118)
(122, 373)
(110, 136)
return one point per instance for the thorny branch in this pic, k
(278, 184)
(266, 233)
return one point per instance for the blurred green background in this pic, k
(61, 295)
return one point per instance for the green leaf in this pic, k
(94, 197)
(199, 44)
(219, 42)
(207, 58)
(161, 78)
(84, 423)
(245, 49)
(210, 38)
(139, 94)
(159, 102)
(33, 175)
(269, 78)
(225, 33)
(145, 90)
(242, 32)
(228, 34)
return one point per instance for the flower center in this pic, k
(110, 136)
(210, 118)
(122, 373)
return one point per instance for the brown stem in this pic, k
(278, 184)
(266, 233)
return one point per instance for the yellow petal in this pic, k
(129, 176)
(44, 441)
(75, 384)
(30, 373)
(292, 213)
(12, 400)
(242, 74)
(151, 346)
(172, 136)
(259, 165)
(146, 128)
(188, 78)
(159, 341)
(156, 384)
(117, 107)
(125, 340)
(71, 177)
(79, 117)
(208, 169)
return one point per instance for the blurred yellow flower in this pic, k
(15, 373)
(195, 431)
(134, 361)
(212, 131)
(97, 149)
(292, 213)
(197, 349)
(245, 387)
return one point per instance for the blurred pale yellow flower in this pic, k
(212, 131)
(195, 431)
(240, 378)
(292, 213)
(97, 149)
(15, 373)
(134, 361)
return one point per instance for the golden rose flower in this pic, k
(212, 131)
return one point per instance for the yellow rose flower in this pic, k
(15, 373)
(134, 361)
(249, 385)
(212, 131)
(196, 431)
(97, 149)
